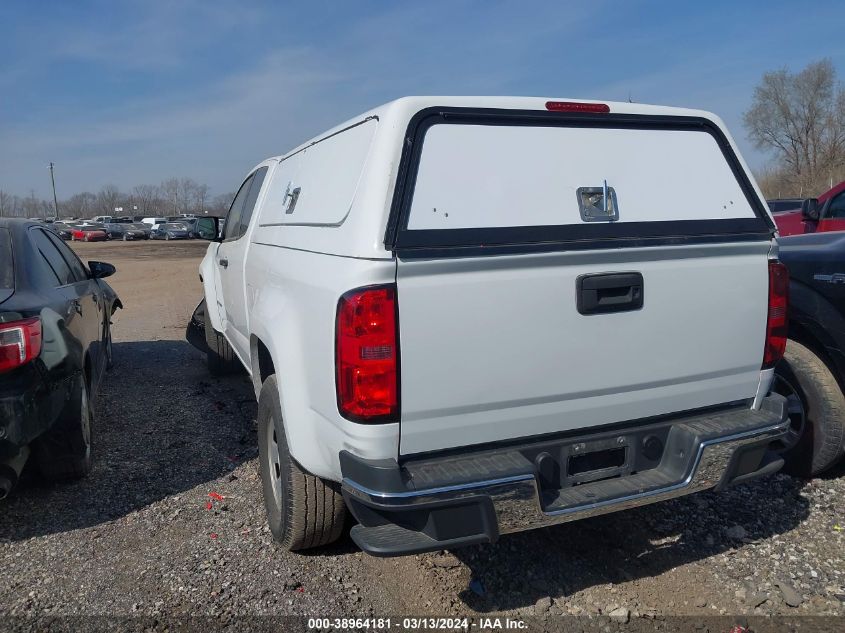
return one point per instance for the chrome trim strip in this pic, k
(377, 494)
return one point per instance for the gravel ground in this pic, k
(141, 536)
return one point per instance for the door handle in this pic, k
(610, 292)
(223, 262)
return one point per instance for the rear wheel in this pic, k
(816, 436)
(221, 359)
(303, 510)
(64, 452)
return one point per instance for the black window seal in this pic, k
(524, 239)
(36, 229)
(248, 184)
(55, 240)
(10, 242)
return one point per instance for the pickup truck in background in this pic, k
(464, 317)
(814, 215)
(812, 372)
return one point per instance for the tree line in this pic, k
(172, 197)
(799, 118)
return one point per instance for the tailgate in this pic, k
(556, 275)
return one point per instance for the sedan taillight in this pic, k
(20, 342)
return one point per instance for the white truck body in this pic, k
(493, 219)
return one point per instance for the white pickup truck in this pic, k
(465, 317)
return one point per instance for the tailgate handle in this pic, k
(610, 292)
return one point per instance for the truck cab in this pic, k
(820, 215)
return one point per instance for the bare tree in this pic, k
(220, 204)
(5, 204)
(801, 118)
(145, 198)
(80, 205)
(107, 199)
(170, 194)
(31, 205)
(187, 195)
(201, 198)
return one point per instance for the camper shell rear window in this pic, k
(483, 180)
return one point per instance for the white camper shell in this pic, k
(565, 277)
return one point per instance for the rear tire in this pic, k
(303, 510)
(220, 356)
(817, 411)
(64, 452)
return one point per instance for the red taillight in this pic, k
(20, 342)
(776, 323)
(572, 106)
(367, 355)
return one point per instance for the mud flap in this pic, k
(195, 332)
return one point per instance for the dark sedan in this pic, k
(171, 231)
(62, 230)
(130, 231)
(55, 343)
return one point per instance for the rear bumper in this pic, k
(29, 405)
(473, 496)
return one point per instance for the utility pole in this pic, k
(55, 200)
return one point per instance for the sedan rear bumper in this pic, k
(473, 496)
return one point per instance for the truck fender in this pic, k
(305, 431)
(811, 314)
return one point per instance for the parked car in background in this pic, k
(136, 231)
(812, 372)
(102, 219)
(152, 222)
(780, 205)
(62, 230)
(567, 349)
(170, 231)
(88, 233)
(815, 215)
(55, 344)
(114, 230)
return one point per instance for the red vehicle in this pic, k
(88, 234)
(816, 215)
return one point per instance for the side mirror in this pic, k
(208, 228)
(810, 209)
(101, 269)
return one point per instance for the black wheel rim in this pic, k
(794, 407)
